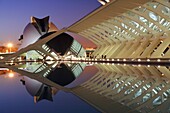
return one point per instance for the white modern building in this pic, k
(124, 31)
(62, 45)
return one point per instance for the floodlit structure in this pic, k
(61, 45)
(128, 29)
(125, 31)
(127, 89)
(137, 30)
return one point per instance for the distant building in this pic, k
(4, 49)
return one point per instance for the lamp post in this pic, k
(9, 46)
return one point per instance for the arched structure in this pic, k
(120, 29)
(128, 29)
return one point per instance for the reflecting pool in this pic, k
(86, 87)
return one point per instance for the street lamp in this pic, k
(9, 45)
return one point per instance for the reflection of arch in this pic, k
(62, 76)
(66, 74)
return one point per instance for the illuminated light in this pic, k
(9, 45)
(103, 63)
(118, 64)
(1, 57)
(117, 59)
(159, 66)
(107, 59)
(158, 60)
(124, 59)
(139, 60)
(148, 65)
(139, 65)
(132, 59)
(103, 59)
(148, 60)
(19, 59)
(124, 64)
(161, 41)
(11, 75)
(108, 64)
(95, 59)
(113, 59)
(113, 64)
(162, 74)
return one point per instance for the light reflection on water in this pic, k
(21, 98)
(144, 88)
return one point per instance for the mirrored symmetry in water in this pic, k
(108, 87)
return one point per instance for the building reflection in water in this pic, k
(136, 88)
(62, 74)
(38, 90)
(142, 88)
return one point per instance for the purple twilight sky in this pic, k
(15, 14)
